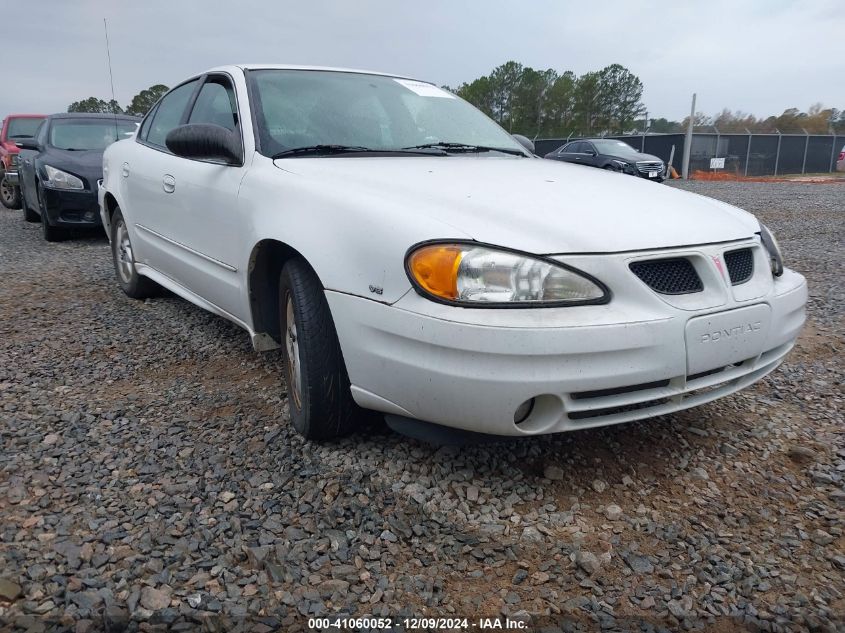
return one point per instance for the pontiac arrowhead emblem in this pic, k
(718, 262)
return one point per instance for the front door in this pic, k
(200, 224)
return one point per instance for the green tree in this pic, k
(146, 99)
(588, 103)
(93, 104)
(665, 126)
(618, 99)
(559, 110)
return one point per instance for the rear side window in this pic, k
(169, 113)
(215, 104)
(572, 148)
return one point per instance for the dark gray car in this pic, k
(612, 155)
(61, 166)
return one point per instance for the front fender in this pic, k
(355, 240)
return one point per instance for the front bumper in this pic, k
(585, 367)
(71, 208)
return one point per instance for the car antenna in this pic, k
(111, 77)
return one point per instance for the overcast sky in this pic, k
(758, 56)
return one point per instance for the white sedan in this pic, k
(412, 258)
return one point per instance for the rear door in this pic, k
(567, 152)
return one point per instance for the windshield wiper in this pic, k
(321, 149)
(329, 149)
(468, 148)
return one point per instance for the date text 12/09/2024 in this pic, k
(416, 624)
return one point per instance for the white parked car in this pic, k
(412, 258)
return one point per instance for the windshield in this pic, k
(614, 148)
(303, 108)
(23, 127)
(79, 134)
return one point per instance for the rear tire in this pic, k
(132, 284)
(319, 399)
(10, 195)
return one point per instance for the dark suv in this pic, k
(611, 155)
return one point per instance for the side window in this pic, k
(41, 134)
(588, 147)
(169, 113)
(215, 104)
(145, 125)
(573, 148)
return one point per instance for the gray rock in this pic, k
(638, 564)
(613, 512)
(9, 590)
(154, 599)
(587, 561)
(552, 472)
(531, 533)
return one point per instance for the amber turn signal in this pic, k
(435, 268)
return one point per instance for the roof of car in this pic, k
(299, 67)
(93, 115)
(25, 116)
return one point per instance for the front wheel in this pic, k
(132, 284)
(30, 215)
(10, 195)
(51, 233)
(320, 402)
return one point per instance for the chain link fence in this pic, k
(744, 154)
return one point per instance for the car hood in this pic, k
(639, 156)
(534, 205)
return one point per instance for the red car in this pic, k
(15, 128)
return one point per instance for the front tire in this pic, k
(10, 195)
(29, 215)
(51, 233)
(320, 402)
(132, 284)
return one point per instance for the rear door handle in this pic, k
(168, 183)
(125, 170)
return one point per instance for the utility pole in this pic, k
(688, 141)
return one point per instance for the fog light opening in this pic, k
(523, 411)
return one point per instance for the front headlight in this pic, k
(59, 179)
(772, 247)
(473, 275)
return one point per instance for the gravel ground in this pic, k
(149, 478)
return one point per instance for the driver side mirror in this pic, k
(204, 142)
(589, 152)
(27, 143)
(526, 142)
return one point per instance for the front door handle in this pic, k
(168, 183)
(125, 170)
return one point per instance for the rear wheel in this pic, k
(133, 284)
(10, 195)
(320, 402)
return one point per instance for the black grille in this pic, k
(673, 276)
(740, 265)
